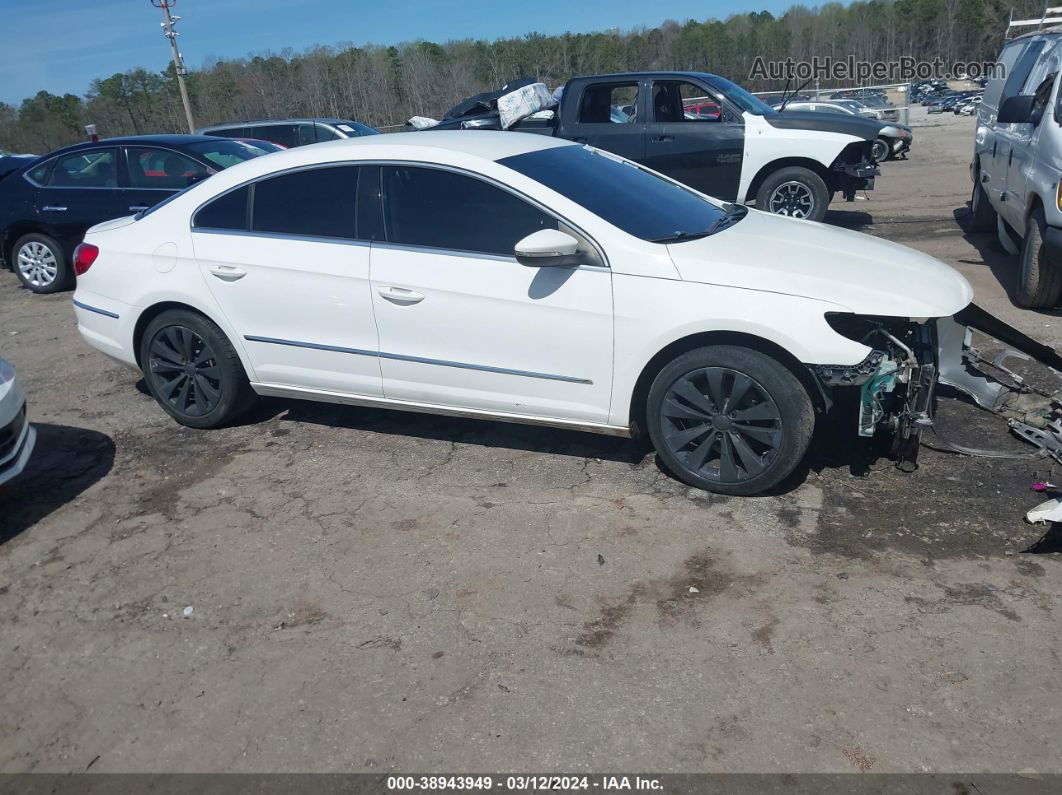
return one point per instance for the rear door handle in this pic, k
(138, 208)
(227, 273)
(53, 208)
(400, 295)
(662, 139)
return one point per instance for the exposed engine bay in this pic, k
(898, 380)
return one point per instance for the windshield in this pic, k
(627, 196)
(742, 98)
(225, 152)
(356, 129)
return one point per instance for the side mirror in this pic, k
(548, 248)
(1017, 110)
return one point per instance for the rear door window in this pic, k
(96, 168)
(609, 103)
(317, 202)
(440, 209)
(283, 134)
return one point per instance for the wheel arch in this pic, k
(157, 308)
(785, 162)
(717, 337)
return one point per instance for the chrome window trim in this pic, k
(418, 359)
(457, 252)
(415, 163)
(342, 241)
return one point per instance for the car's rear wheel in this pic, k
(982, 215)
(879, 150)
(1039, 275)
(193, 371)
(794, 191)
(40, 263)
(729, 419)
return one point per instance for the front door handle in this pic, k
(400, 295)
(138, 208)
(53, 208)
(227, 273)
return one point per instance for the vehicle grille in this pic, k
(10, 433)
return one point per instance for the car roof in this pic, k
(132, 140)
(252, 122)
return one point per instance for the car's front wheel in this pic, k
(879, 150)
(40, 263)
(794, 191)
(193, 371)
(729, 419)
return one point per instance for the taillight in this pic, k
(84, 256)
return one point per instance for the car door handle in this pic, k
(227, 273)
(138, 208)
(662, 139)
(53, 208)
(400, 295)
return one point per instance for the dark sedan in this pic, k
(46, 206)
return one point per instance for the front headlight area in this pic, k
(895, 381)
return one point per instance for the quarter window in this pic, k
(441, 209)
(93, 169)
(225, 212)
(313, 203)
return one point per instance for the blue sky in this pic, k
(61, 45)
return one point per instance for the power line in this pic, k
(168, 21)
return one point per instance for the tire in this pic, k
(711, 448)
(1039, 275)
(41, 264)
(794, 191)
(982, 214)
(880, 150)
(193, 371)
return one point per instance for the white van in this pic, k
(1017, 164)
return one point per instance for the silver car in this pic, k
(1017, 164)
(17, 436)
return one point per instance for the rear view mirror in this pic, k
(548, 248)
(1017, 110)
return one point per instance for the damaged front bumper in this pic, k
(898, 379)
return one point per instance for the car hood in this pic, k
(861, 273)
(858, 126)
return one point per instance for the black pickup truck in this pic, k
(707, 132)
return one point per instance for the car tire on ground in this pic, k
(193, 371)
(1039, 273)
(729, 419)
(41, 264)
(794, 191)
(982, 214)
(880, 150)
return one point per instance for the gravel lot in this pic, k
(373, 590)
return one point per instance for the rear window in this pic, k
(628, 197)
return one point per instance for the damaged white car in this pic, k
(525, 279)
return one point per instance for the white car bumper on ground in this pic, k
(17, 436)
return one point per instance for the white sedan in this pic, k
(520, 278)
(17, 436)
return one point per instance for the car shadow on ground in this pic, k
(65, 462)
(856, 220)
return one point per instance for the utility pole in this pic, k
(168, 21)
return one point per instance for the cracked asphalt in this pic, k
(335, 588)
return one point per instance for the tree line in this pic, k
(384, 86)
